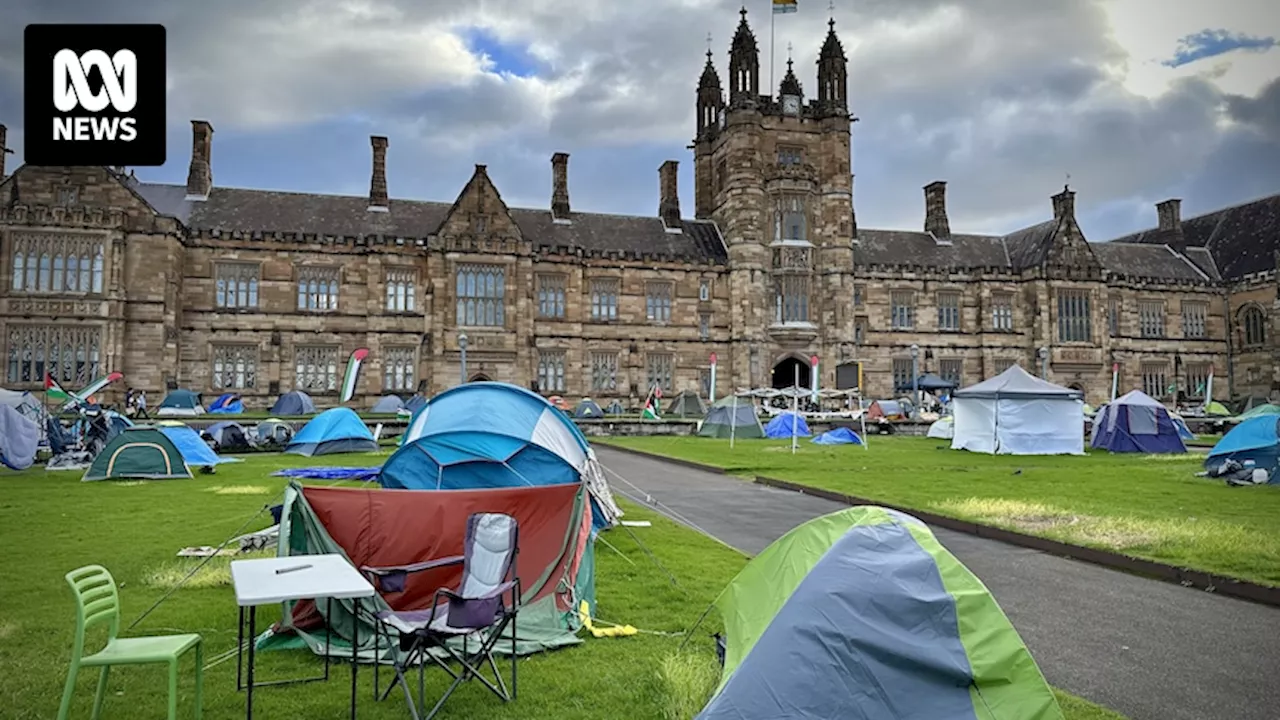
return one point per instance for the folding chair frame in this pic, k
(417, 646)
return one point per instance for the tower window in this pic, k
(788, 156)
(789, 220)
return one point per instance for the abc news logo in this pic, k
(95, 95)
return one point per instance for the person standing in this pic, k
(141, 401)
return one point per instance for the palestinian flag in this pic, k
(353, 373)
(648, 413)
(54, 393)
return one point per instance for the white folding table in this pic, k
(267, 581)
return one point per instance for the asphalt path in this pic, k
(1148, 649)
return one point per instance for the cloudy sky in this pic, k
(1137, 100)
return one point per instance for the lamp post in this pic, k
(462, 346)
(915, 378)
(1044, 363)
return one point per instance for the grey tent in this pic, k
(615, 408)
(587, 409)
(932, 383)
(295, 402)
(388, 404)
(732, 416)
(415, 403)
(227, 436)
(687, 405)
(274, 431)
(19, 438)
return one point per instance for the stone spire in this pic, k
(833, 77)
(790, 85)
(710, 98)
(744, 64)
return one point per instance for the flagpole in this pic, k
(772, 20)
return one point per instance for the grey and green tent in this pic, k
(862, 614)
(138, 452)
(687, 405)
(732, 416)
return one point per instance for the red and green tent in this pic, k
(383, 528)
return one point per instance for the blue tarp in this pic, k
(331, 473)
(838, 436)
(1136, 422)
(490, 435)
(195, 451)
(293, 403)
(1255, 441)
(785, 425)
(339, 430)
(227, 404)
(19, 438)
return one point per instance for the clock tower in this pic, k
(774, 173)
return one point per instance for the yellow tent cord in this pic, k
(613, 629)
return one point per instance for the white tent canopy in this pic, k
(1015, 413)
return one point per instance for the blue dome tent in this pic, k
(388, 404)
(1254, 443)
(1138, 423)
(293, 403)
(227, 404)
(339, 430)
(838, 436)
(490, 435)
(195, 451)
(785, 425)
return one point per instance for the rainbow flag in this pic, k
(782, 7)
(353, 373)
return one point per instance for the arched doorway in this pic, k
(1079, 388)
(479, 377)
(787, 370)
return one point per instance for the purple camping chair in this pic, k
(477, 612)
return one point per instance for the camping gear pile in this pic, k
(227, 404)
(1249, 454)
(864, 614)
(1015, 413)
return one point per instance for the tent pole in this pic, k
(795, 408)
(862, 415)
(733, 422)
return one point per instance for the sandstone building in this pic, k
(220, 289)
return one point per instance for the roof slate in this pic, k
(1241, 240)
(1141, 260)
(268, 211)
(906, 247)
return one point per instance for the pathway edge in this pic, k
(1209, 582)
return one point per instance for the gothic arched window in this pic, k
(1254, 325)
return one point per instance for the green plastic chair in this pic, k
(97, 602)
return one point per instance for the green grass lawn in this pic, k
(53, 523)
(1142, 505)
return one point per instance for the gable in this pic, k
(479, 213)
(89, 187)
(1068, 248)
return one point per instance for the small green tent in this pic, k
(138, 452)
(862, 614)
(1257, 411)
(687, 405)
(732, 416)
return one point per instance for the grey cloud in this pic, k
(1001, 98)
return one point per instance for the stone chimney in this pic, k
(378, 201)
(200, 175)
(560, 186)
(1170, 214)
(935, 210)
(669, 195)
(4, 149)
(1064, 204)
